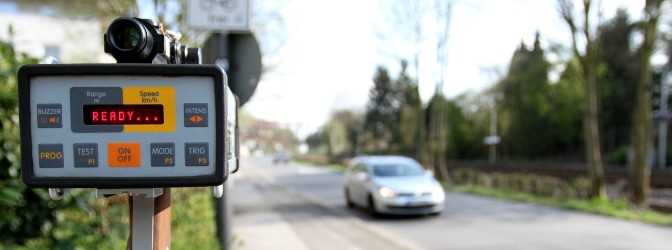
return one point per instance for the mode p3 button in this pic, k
(123, 154)
(163, 154)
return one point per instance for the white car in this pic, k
(392, 185)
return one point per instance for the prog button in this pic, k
(50, 155)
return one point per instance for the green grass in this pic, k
(98, 226)
(613, 208)
(193, 219)
(336, 167)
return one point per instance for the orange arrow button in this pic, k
(196, 118)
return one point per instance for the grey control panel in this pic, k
(157, 128)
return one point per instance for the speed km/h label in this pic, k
(149, 95)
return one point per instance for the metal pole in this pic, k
(493, 132)
(223, 211)
(662, 126)
(142, 222)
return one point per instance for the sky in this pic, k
(332, 50)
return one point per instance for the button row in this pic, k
(123, 155)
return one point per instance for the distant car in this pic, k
(280, 158)
(392, 185)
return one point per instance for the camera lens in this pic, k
(127, 37)
(126, 34)
(133, 40)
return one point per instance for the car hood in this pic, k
(408, 184)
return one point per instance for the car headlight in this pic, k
(386, 192)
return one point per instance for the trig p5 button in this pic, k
(196, 154)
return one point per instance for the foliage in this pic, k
(381, 119)
(411, 114)
(436, 142)
(525, 103)
(618, 76)
(193, 220)
(25, 211)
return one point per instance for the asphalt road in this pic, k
(310, 200)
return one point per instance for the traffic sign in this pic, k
(219, 15)
(239, 54)
(492, 140)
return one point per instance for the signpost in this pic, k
(233, 47)
(219, 15)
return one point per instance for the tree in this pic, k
(316, 142)
(381, 120)
(411, 117)
(619, 69)
(342, 133)
(405, 30)
(436, 145)
(588, 63)
(525, 103)
(565, 121)
(641, 128)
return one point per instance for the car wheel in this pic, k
(371, 207)
(348, 200)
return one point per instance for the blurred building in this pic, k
(69, 40)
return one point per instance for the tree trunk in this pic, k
(640, 172)
(591, 125)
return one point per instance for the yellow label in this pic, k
(152, 95)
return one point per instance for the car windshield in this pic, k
(396, 170)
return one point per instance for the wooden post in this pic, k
(162, 217)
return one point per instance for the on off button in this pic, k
(123, 155)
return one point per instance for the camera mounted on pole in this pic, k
(137, 40)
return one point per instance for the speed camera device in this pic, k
(155, 119)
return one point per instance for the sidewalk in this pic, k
(255, 225)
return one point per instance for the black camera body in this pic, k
(137, 40)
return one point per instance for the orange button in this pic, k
(122, 155)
